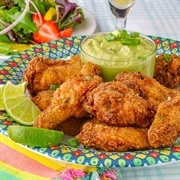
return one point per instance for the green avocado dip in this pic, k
(120, 51)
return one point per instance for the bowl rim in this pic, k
(111, 60)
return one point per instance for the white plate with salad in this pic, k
(24, 23)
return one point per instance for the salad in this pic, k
(24, 23)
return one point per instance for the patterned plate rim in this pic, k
(83, 156)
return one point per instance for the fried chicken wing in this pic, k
(43, 99)
(67, 101)
(70, 126)
(111, 138)
(148, 88)
(166, 125)
(167, 72)
(43, 72)
(116, 104)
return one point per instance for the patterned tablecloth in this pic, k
(157, 18)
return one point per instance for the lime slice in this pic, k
(1, 97)
(19, 107)
(35, 137)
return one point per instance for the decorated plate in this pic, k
(12, 69)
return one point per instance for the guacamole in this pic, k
(113, 56)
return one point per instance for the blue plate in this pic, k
(12, 69)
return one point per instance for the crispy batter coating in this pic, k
(111, 138)
(168, 73)
(166, 125)
(43, 99)
(42, 72)
(121, 111)
(70, 126)
(116, 104)
(67, 101)
(148, 88)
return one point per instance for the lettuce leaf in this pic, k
(25, 24)
(71, 14)
(73, 19)
(42, 6)
(24, 29)
(6, 49)
(5, 38)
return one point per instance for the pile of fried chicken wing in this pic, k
(131, 112)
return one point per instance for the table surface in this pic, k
(150, 17)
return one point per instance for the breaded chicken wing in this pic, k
(167, 70)
(43, 72)
(111, 138)
(166, 125)
(116, 104)
(67, 101)
(70, 126)
(43, 99)
(148, 88)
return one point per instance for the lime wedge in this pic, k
(33, 136)
(1, 97)
(19, 107)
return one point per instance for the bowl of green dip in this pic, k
(119, 51)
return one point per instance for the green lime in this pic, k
(1, 97)
(33, 136)
(19, 107)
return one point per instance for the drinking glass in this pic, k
(121, 9)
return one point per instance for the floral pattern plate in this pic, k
(12, 69)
